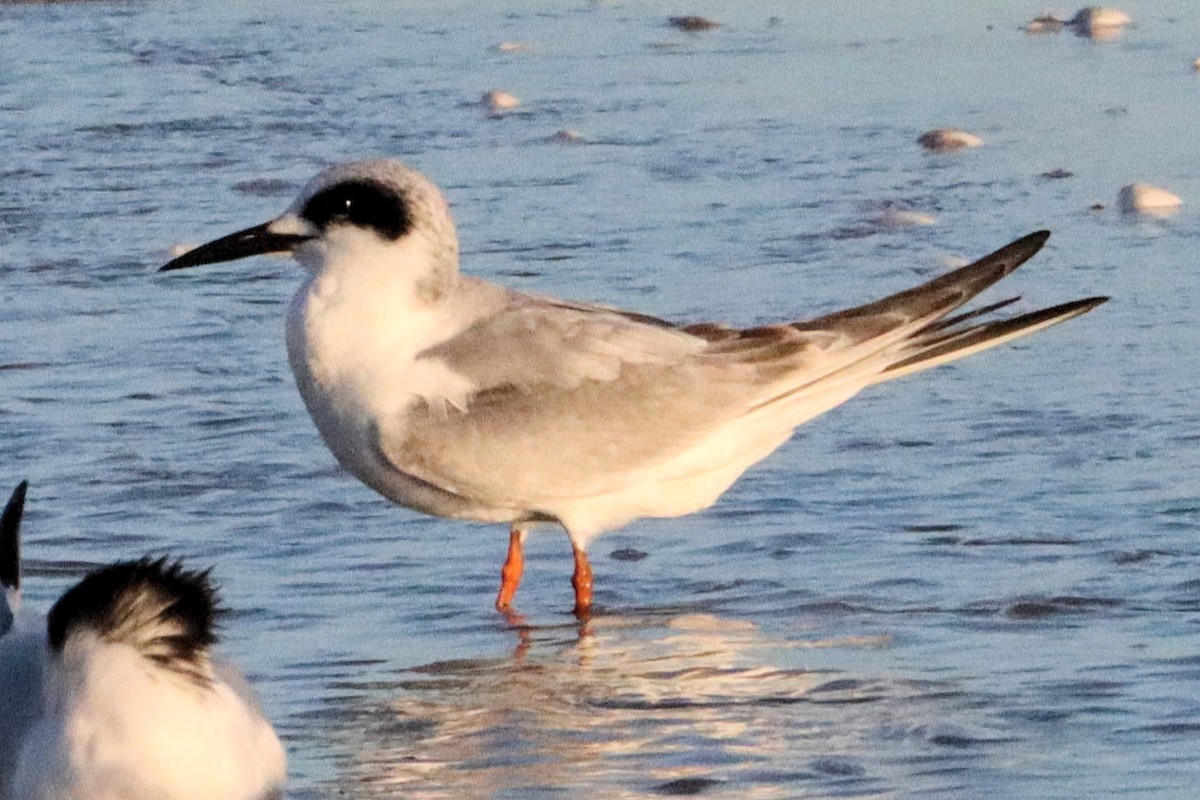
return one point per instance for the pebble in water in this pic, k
(901, 218)
(498, 102)
(693, 24)
(511, 47)
(1046, 23)
(1093, 22)
(567, 136)
(944, 140)
(1142, 198)
(1101, 24)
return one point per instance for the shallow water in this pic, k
(980, 582)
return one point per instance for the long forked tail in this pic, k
(951, 338)
(937, 338)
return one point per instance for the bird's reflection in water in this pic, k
(624, 707)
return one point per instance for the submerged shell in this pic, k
(511, 47)
(948, 139)
(567, 136)
(1142, 198)
(1098, 23)
(497, 101)
(902, 218)
(692, 24)
(1046, 23)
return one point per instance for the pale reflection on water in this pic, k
(629, 706)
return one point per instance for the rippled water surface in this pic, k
(980, 582)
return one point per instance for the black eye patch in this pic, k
(363, 203)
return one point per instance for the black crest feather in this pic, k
(167, 613)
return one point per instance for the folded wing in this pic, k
(616, 393)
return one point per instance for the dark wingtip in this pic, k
(980, 274)
(1092, 302)
(1020, 250)
(1035, 240)
(1016, 253)
(946, 292)
(10, 538)
(1082, 306)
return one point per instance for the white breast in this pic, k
(354, 354)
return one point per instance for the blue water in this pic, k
(980, 582)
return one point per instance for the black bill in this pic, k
(250, 242)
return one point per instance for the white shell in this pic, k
(567, 136)
(512, 47)
(1099, 23)
(948, 139)
(1046, 23)
(1142, 198)
(902, 218)
(497, 101)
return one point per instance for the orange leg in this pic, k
(510, 573)
(582, 581)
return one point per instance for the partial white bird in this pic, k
(463, 399)
(116, 694)
(22, 644)
(10, 557)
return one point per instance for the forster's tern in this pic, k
(115, 694)
(467, 400)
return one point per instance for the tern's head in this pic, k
(164, 612)
(367, 214)
(10, 557)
